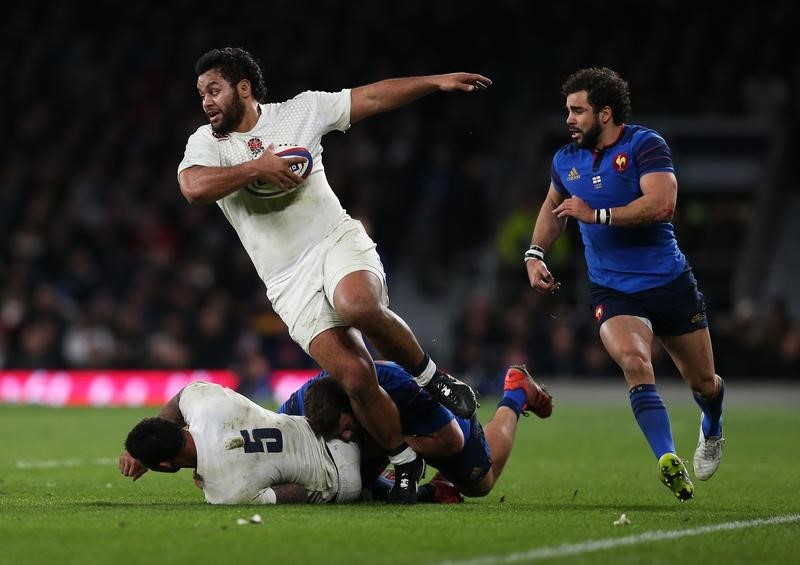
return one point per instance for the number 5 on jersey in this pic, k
(272, 438)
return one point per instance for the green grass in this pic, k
(567, 481)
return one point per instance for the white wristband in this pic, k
(602, 216)
(535, 252)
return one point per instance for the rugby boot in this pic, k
(453, 394)
(539, 400)
(406, 477)
(674, 474)
(708, 454)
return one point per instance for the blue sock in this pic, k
(712, 412)
(653, 419)
(514, 399)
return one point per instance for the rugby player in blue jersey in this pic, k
(617, 180)
(468, 456)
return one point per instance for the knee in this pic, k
(360, 311)
(634, 364)
(705, 385)
(481, 489)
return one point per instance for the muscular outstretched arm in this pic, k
(371, 99)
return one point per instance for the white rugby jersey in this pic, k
(275, 231)
(243, 448)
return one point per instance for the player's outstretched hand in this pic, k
(131, 467)
(468, 82)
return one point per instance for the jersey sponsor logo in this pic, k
(598, 313)
(621, 162)
(255, 146)
(597, 182)
(573, 174)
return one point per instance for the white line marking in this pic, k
(103, 461)
(610, 543)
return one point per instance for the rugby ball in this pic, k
(302, 170)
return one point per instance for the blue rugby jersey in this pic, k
(627, 259)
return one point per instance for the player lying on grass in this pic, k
(465, 453)
(242, 453)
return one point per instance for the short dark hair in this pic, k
(604, 87)
(154, 440)
(323, 404)
(234, 64)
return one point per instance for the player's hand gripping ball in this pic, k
(302, 170)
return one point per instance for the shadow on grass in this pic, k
(465, 507)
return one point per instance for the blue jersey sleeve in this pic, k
(652, 154)
(555, 179)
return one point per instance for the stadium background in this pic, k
(105, 266)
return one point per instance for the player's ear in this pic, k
(606, 114)
(345, 428)
(244, 88)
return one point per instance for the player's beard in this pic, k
(231, 116)
(590, 136)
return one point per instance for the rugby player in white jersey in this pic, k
(242, 453)
(323, 275)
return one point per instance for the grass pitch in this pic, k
(569, 478)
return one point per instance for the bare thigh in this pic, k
(629, 341)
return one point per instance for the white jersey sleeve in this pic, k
(200, 150)
(243, 448)
(333, 108)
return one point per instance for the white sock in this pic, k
(426, 375)
(405, 456)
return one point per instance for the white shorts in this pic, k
(303, 295)
(347, 456)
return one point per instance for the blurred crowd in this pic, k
(106, 266)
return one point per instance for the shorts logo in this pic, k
(598, 313)
(573, 174)
(255, 146)
(697, 318)
(621, 162)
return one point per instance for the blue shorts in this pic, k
(676, 308)
(470, 465)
